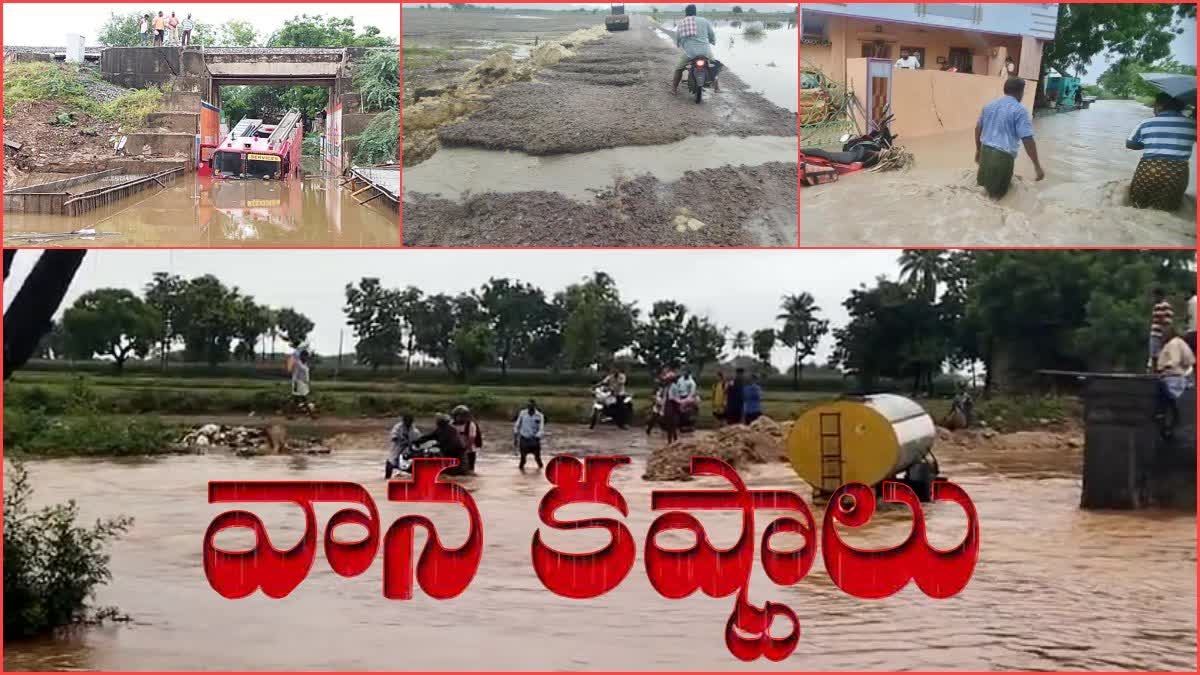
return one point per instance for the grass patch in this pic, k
(754, 30)
(33, 432)
(62, 84)
(424, 57)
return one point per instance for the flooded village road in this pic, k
(315, 211)
(1056, 588)
(641, 167)
(1083, 200)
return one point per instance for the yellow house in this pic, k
(961, 56)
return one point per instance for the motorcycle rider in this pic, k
(695, 35)
(404, 435)
(449, 443)
(469, 430)
(614, 382)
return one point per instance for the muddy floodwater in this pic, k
(1056, 588)
(199, 211)
(1083, 201)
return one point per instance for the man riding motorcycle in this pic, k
(449, 443)
(695, 35)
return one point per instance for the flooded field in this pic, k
(1083, 200)
(616, 158)
(200, 211)
(1056, 588)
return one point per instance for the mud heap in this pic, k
(246, 441)
(759, 443)
(471, 91)
(1068, 437)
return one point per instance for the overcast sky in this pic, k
(1183, 49)
(46, 24)
(737, 289)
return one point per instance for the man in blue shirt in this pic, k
(1166, 140)
(1004, 125)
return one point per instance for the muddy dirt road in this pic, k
(595, 151)
(1044, 568)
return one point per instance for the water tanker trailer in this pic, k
(864, 439)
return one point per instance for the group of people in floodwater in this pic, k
(165, 30)
(1165, 141)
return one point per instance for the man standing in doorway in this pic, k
(908, 60)
(1003, 126)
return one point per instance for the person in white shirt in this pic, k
(1176, 365)
(909, 61)
(404, 435)
(527, 433)
(301, 384)
(144, 30)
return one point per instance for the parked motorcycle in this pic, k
(701, 73)
(863, 149)
(608, 407)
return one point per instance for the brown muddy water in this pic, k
(1083, 200)
(200, 211)
(1056, 588)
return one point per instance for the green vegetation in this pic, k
(379, 143)
(52, 566)
(1123, 78)
(65, 85)
(378, 80)
(753, 30)
(1142, 32)
(424, 57)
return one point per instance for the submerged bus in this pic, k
(256, 150)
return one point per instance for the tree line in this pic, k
(1009, 313)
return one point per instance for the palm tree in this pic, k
(801, 330)
(921, 270)
(741, 342)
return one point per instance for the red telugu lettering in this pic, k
(442, 573)
(278, 573)
(881, 573)
(583, 575)
(717, 572)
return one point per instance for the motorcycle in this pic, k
(863, 149)
(702, 72)
(608, 407)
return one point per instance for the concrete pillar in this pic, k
(1029, 66)
(74, 48)
(1126, 463)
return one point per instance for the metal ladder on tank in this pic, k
(831, 453)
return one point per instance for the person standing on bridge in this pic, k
(695, 36)
(1004, 125)
(186, 26)
(160, 29)
(173, 24)
(144, 30)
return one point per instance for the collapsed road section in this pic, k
(580, 142)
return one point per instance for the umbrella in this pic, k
(1182, 87)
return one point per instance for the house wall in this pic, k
(847, 36)
(929, 101)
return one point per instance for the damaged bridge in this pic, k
(202, 72)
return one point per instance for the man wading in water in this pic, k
(1161, 176)
(1003, 126)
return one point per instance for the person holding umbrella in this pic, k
(1166, 141)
